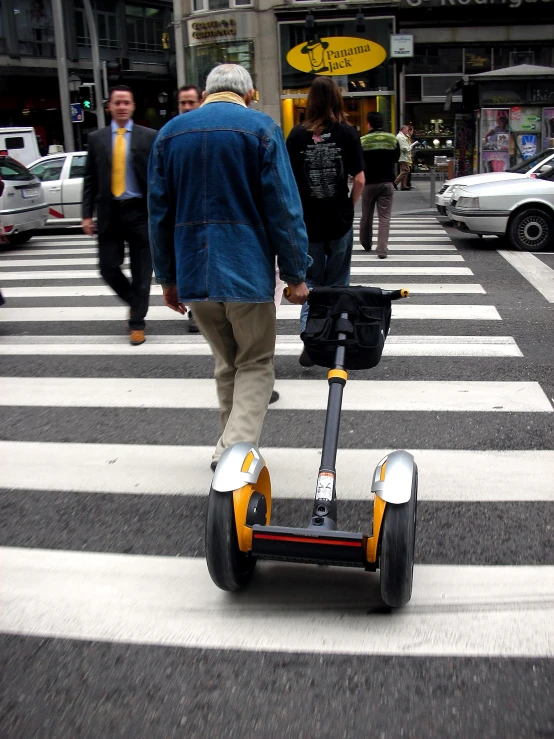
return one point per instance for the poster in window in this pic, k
(528, 145)
(547, 127)
(495, 128)
(495, 161)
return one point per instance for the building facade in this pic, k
(134, 41)
(285, 44)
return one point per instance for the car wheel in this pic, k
(22, 237)
(531, 230)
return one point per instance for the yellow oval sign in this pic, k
(336, 55)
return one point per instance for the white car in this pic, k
(521, 210)
(529, 168)
(23, 208)
(62, 183)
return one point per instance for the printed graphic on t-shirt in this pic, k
(323, 166)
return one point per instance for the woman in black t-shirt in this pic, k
(324, 150)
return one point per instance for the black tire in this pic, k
(532, 230)
(230, 569)
(22, 237)
(397, 550)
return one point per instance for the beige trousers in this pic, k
(242, 339)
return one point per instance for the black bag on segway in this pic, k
(367, 326)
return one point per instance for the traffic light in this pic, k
(86, 96)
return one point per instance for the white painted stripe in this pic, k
(369, 257)
(81, 392)
(70, 262)
(70, 274)
(80, 291)
(414, 311)
(414, 236)
(286, 346)
(416, 231)
(285, 312)
(46, 252)
(160, 470)
(384, 269)
(466, 611)
(539, 274)
(409, 247)
(57, 237)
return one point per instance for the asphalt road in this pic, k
(109, 624)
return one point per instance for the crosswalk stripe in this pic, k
(538, 274)
(367, 395)
(86, 250)
(172, 601)
(386, 269)
(286, 346)
(377, 269)
(372, 257)
(414, 311)
(81, 291)
(411, 311)
(185, 470)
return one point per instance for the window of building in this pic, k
(106, 24)
(34, 27)
(204, 5)
(145, 28)
(201, 59)
(435, 59)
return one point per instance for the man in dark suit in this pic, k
(116, 183)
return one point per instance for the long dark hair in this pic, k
(325, 105)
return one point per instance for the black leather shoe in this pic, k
(304, 359)
(395, 185)
(274, 397)
(382, 256)
(213, 464)
(367, 248)
(191, 324)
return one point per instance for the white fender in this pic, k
(396, 487)
(229, 473)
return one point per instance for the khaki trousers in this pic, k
(242, 339)
(402, 178)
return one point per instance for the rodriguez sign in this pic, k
(336, 55)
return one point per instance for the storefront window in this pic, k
(201, 59)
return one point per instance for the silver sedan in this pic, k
(522, 210)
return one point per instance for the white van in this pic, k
(20, 144)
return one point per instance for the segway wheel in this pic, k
(230, 569)
(397, 550)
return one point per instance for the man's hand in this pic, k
(171, 299)
(297, 294)
(87, 224)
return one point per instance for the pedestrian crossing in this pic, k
(104, 470)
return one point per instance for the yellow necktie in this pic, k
(118, 163)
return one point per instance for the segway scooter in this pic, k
(346, 329)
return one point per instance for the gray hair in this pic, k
(229, 78)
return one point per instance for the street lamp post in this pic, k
(74, 84)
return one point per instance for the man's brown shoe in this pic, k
(137, 337)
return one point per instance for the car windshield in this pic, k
(10, 170)
(528, 164)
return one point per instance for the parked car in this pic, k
(62, 183)
(23, 208)
(522, 210)
(19, 143)
(529, 168)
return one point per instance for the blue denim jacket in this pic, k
(223, 202)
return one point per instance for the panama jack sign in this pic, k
(336, 55)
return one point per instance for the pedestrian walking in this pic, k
(324, 150)
(405, 160)
(381, 152)
(115, 184)
(189, 97)
(216, 226)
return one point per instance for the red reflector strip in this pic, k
(55, 213)
(309, 540)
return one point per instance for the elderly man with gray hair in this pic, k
(223, 204)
